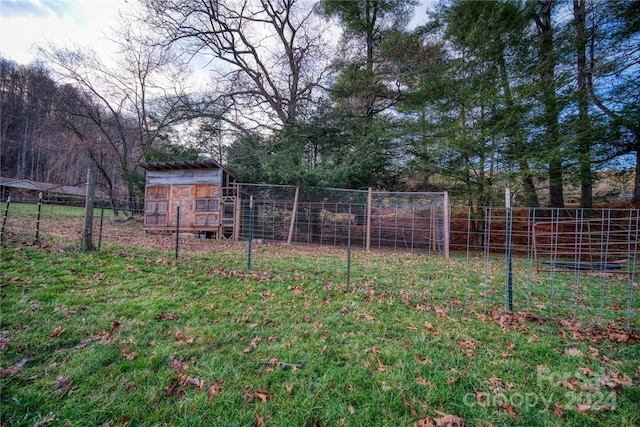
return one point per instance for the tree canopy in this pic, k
(534, 95)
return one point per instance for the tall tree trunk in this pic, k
(515, 133)
(635, 200)
(547, 76)
(584, 123)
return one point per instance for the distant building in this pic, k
(27, 189)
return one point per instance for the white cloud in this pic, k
(26, 24)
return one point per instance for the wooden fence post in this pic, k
(293, 215)
(237, 214)
(87, 232)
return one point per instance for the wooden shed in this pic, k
(205, 192)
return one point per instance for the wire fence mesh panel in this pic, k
(572, 264)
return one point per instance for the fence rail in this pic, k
(570, 264)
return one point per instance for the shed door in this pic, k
(207, 205)
(156, 203)
(181, 194)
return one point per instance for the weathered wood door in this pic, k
(156, 206)
(181, 195)
(207, 205)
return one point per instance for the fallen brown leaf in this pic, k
(262, 396)
(57, 331)
(586, 371)
(558, 409)
(422, 359)
(215, 388)
(410, 405)
(447, 420)
(583, 407)
(512, 412)
(14, 369)
(424, 382)
(429, 327)
(425, 422)
(127, 355)
(63, 383)
(180, 336)
(573, 352)
(246, 392)
(178, 365)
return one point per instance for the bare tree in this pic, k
(120, 111)
(268, 55)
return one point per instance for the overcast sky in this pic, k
(66, 23)
(25, 23)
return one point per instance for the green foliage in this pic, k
(167, 152)
(329, 151)
(369, 16)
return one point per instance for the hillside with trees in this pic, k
(541, 96)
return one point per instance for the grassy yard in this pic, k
(126, 336)
(47, 209)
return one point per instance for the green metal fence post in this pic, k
(4, 217)
(38, 219)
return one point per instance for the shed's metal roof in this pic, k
(164, 166)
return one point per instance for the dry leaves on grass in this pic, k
(468, 346)
(573, 352)
(262, 395)
(558, 409)
(366, 317)
(429, 327)
(615, 380)
(14, 369)
(57, 331)
(181, 336)
(167, 316)
(423, 360)
(509, 409)
(103, 337)
(444, 420)
(424, 382)
(215, 388)
(127, 354)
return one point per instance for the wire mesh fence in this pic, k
(339, 217)
(569, 264)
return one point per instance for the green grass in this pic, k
(47, 210)
(124, 336)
